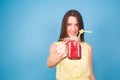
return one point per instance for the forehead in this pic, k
(72, 19)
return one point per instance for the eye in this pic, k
(76, 24)
(69, 24)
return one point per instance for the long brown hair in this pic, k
(78, 16)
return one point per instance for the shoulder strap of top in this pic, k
(57, 43)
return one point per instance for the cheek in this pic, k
(67, 30)
(76, 30)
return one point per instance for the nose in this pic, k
(73, 28)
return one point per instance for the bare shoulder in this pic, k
(53, 46)
(89, 46)
(52, 49)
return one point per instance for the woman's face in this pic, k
(72, 26)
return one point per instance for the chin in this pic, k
(72, 35)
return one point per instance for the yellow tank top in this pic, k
(74, 69)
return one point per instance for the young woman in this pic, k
(67, 69)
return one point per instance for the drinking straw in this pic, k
(82, 31)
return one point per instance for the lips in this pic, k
(72, 34)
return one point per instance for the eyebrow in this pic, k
(71, 23)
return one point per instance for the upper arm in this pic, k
(90, 56)
(52, 49)
(90, 62)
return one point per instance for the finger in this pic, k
(61, 46)
(65, 55)
(62, 52)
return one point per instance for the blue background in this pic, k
(29, 27)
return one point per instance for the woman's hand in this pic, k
(62, 50)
